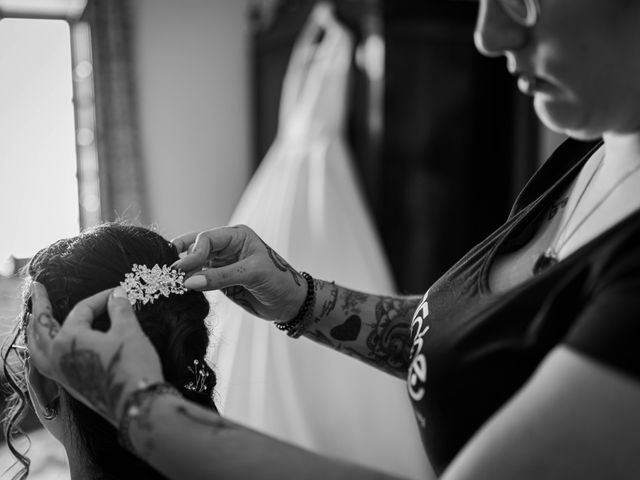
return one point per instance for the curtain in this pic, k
(122, 191)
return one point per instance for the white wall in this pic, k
(192, 62)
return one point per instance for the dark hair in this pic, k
(75, 268)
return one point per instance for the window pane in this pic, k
(59, 8)
(38, 186)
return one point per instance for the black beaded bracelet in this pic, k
(133, 408)
(295, 327)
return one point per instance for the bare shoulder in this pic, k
(575, 418)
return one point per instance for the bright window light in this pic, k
(38, 183)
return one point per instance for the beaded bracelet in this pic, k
(133, 408)
(295, 327)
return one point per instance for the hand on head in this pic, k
(237, 261)
(98, 368)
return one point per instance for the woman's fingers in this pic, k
(218, 245)
(184, 241)
(197, 254)
(217, 278)
(121, 312)
(85, 311)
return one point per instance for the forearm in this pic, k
(185, 441)
(372, 328)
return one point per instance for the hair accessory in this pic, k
(144, 285)
(296, 327)
(199, 384)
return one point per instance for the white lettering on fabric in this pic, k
(417, 376)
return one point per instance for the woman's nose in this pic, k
(496, 32)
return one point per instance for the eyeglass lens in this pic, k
(524, 12)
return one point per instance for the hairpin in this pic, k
(146, 285)
(199, 384)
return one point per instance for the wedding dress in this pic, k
(304, 201)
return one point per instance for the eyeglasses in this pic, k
(524, 12)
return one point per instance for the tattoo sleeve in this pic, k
(86, 374)
(373, 329)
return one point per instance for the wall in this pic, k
(193, 77)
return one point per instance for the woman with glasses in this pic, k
(521, 361)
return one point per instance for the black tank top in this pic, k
(473, 349)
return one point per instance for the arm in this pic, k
(209, 446)
(371, 328)
(180, 439)
(374, 329)
(576, 418)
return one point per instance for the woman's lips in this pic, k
(527, 84)
(530, 84)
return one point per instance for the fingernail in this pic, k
(195, 282)
(119, 292)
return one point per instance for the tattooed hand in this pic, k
(98, 368)
(237, 261)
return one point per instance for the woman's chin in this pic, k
(564, 118)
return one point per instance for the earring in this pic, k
(49, 413)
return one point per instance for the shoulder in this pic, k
(575, 418)
(619, 257)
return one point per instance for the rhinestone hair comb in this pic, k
(145, 285)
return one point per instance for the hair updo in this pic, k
(75, 268)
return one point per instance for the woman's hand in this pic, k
(249, 272)
(98, 368)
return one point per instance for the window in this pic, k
(48, 166)
(46, 120)
(38, 186)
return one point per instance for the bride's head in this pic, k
(71, 270)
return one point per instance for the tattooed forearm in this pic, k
(389, 342)
(370, 328)
(353, 301)
(347, 331)
(329, 304)
(214, 421)
(85, 373)
(320, 337)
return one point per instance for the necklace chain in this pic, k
(562, 239)
(550, 256)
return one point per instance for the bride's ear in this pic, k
(45, 395)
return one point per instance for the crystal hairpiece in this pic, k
(144, 285)
(199, 382)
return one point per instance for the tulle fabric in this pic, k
(304, 201)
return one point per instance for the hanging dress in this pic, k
(304, 201)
